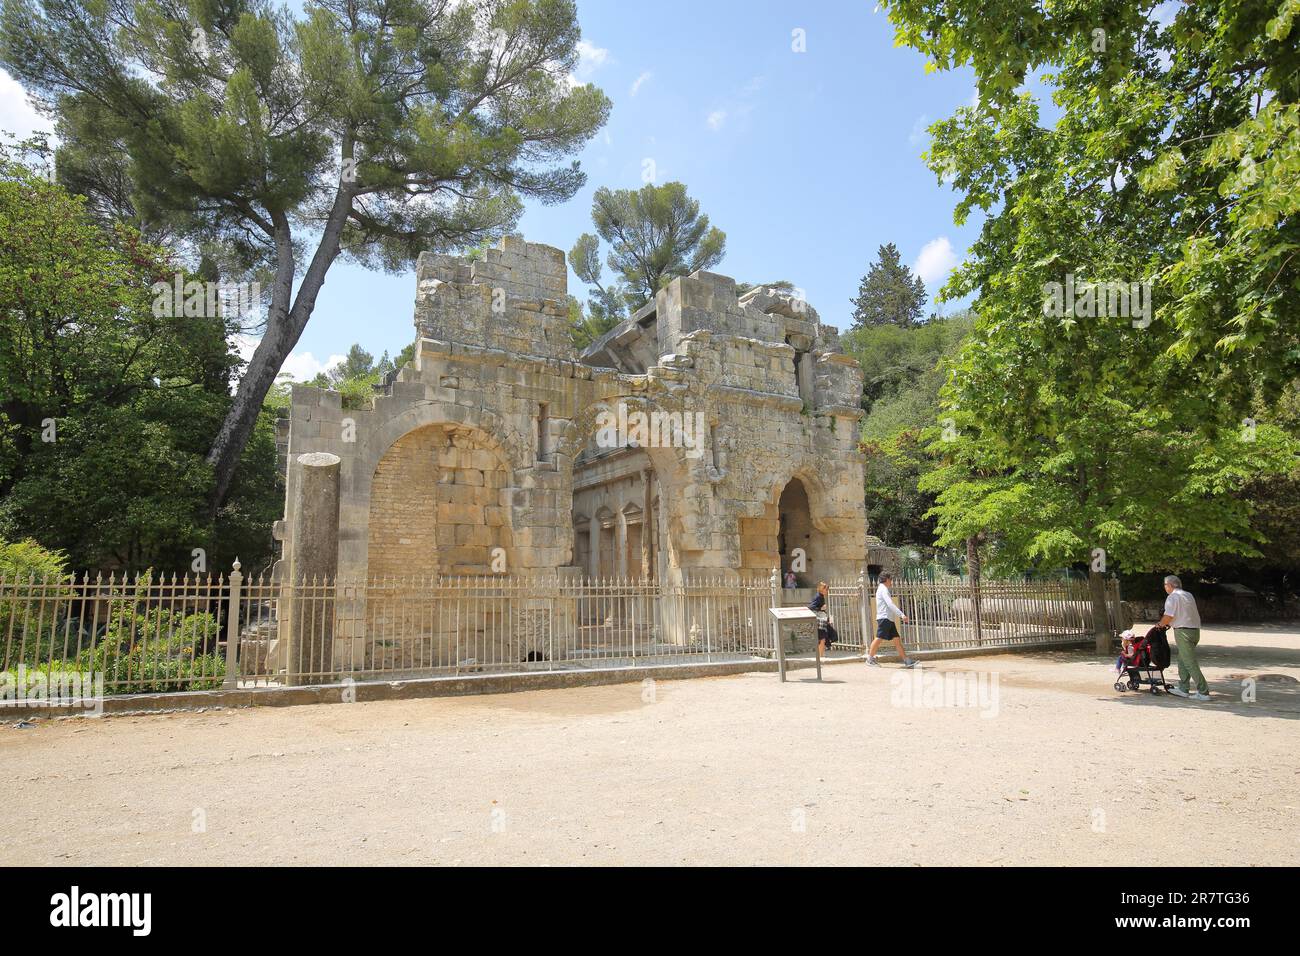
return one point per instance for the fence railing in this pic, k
(154, 634)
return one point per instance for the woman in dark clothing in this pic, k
(826, 635)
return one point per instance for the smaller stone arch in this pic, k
(793, 517)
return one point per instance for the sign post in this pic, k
(799, 615)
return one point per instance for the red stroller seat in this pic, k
(1146, 662)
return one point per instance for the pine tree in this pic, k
(889, 293)
(371, 129)
(655, 234)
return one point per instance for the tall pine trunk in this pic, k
(241, 417)
(284, 326)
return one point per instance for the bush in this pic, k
(142, 648)
(139, 671)
(145, 669)
(156, 648)
(22, 563)
(23, 560)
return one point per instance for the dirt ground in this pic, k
(1051, 766)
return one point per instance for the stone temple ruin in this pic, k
(708, 433)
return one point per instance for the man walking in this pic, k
(1181, 612)
(887, 614)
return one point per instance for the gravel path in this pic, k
(1051, 766)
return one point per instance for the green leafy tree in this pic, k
(369, 128)
(606, 305)
(1276, 513)
(107, 406)
(358, 362)
(655, 234)
(903, 372)
(1077, 462)
(900, 363)
(1178, 137)
(405, 357)
(889, 293)
(1113, 435)
(584, 327)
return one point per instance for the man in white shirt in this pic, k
(887, 616)
(1181, 612)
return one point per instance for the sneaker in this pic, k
(1179, 692)
(1199, 696)
(908, 662)
(872, 662)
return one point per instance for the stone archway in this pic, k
(620, 487)
(796, 533)
(439, 505)
(789, 521)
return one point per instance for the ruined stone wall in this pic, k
(497, 394)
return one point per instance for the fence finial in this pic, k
(235, 566)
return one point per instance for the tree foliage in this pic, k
(374, 129)
(1076, 434)
(655, 234)
(106, 407)
(889, 293)
(904, 369)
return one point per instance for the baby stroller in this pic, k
(1144, 661)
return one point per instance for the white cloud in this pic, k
(303, 366)
(299, 366)
(245, 345)
(639, 82)
(716, 119)
(936, 260)
(590, 59)
(920, 135)
(17, 114)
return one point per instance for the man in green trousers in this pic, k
(1181, 612)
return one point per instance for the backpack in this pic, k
(1158, 640)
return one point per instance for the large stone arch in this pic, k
(663, 480)
(387, 434)
(669, 463)
(440, 503)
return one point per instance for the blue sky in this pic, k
(807, 160)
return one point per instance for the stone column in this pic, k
(593, 538)
(620, 544)
(313, 568)
(646, 523)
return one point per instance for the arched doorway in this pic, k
(785, 526)
(796, 534)
(616, 482)
(438, 505)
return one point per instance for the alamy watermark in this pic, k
(621, 427)
(209, 300)
(918, 687)
(41, 687)
(1091, 300)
